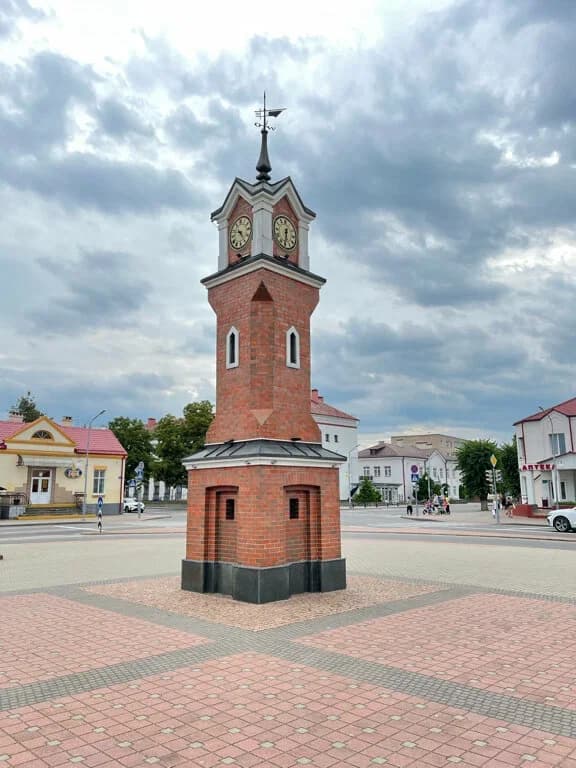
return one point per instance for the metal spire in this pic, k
(263, 165)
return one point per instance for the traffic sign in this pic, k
(415, 477)
(493, 460)
(100, 502)
(414, 469)
(132, 484)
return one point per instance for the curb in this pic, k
(458, 532)
(60, 520)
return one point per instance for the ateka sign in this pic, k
(541, 467)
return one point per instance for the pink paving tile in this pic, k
(170, 724)
(48, 636)
(511, 645)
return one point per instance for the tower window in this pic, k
(230, 509)
(232, 348)
(294, 509)
(292, 348)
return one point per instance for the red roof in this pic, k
(101, 440)
(320, 408)
(567, 408)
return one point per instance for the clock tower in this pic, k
(263, 494)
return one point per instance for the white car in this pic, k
(132, 505)
(563, 520)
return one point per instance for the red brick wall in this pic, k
(283, 208)
(242, 208)
(263, 397)
(264, 535)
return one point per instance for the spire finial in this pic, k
(263, 165)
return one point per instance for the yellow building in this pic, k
(42, 466)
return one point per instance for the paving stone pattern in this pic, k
(393, 673)
(493, 642)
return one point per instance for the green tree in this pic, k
(170, 450)
(367, 492)
(27, 408)
(197, 417)
(180, 437)
(508, 463)
(473, 460)
(423, 488)
(137, 441)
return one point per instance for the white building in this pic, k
(546, 456)
(339, 434)
(443, 469)
(391, 467)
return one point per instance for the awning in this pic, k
(47, 461)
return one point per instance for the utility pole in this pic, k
(92, 420)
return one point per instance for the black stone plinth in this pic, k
(263, 585)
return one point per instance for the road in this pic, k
(169, 521)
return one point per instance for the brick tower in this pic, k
(263, 495)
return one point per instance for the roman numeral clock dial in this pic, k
(240, 232)
(284, 233)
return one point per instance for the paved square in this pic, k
(493, 642)
(166, 594)
(43, 636)
(395, 671)
(251, 709)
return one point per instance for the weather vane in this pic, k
(263, 166)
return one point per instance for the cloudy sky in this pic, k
(434, 139)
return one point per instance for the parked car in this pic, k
(132, 505)
(563, 520)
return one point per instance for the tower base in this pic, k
(263, 585)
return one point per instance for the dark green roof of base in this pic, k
(271, 449)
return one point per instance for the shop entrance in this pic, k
(41, 486)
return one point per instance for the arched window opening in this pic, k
(42, 434)
(292, 348)
(232, 348)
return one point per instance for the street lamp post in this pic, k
(92, 420)
(350, 452)
(555, 484)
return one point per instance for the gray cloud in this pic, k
(119, 121)
(121, 395)
(81, 180)
(100, 289)
(40, 94)
(13, 11)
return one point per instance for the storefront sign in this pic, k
(536, 467)
(72, 473)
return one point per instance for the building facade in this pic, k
(443, 469)
(391, 468)
(545, 442)
(42, 465)
(339, 432)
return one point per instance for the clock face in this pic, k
(284, 233)
(240, 232)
